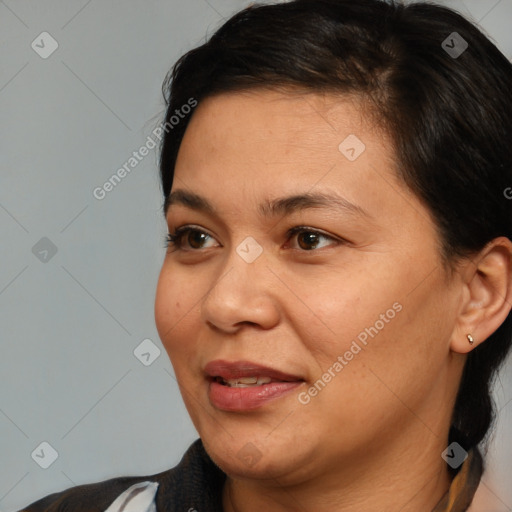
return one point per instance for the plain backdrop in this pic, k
(77, 273)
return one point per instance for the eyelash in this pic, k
(176, 239)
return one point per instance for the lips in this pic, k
(244, 386)
(245, 369)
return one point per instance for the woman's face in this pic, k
(350, 317)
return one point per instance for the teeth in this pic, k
(245, 382)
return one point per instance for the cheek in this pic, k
(336, 306)
(176, 307)
(385, 319)
(399, 350)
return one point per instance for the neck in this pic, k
(403, 480)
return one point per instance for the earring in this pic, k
(471, 339)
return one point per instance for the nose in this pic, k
(243, 294)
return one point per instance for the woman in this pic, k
(336, 292)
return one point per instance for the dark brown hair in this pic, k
(449, 116)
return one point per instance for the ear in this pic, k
(487, 295)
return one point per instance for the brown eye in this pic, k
(196, 238)
(188, 239)
(309, 239)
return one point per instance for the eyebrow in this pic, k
(271, 208)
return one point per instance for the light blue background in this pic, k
(69, 326)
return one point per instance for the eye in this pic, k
(188, 238)
(309, 239)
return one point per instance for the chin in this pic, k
(254, 455)
(246, 462)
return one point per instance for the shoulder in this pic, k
(91, 497)
(99, 496)
(195, 482)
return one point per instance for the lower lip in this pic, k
(246, 399)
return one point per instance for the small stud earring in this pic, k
(471, 339)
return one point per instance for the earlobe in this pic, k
(488, 295)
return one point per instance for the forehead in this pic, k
(282, 123)
(269, 143)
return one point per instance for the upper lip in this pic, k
(239, 369)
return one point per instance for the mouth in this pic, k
(245, 382)
(245, 373)
(243, 385)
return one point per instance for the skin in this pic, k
(372, 438)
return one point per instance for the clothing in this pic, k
(195, 485)
(463, 486)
